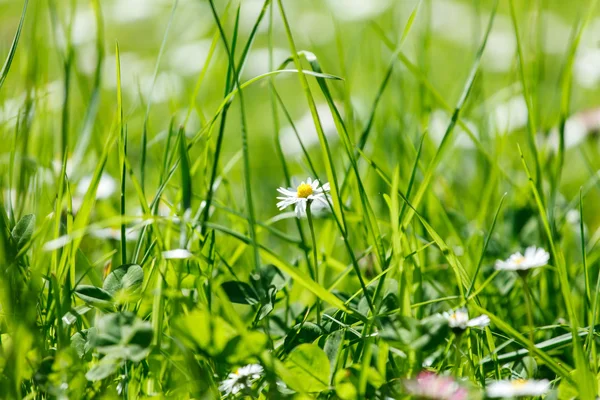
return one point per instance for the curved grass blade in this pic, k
(485, 245)
(13, 46)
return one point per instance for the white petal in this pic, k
(322, 199)
(286, 192)
(315, 184)
(301, 208)
(286, 203)
(505, 265)
(479, 322)
(530, 252)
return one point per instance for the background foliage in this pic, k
(142, 145)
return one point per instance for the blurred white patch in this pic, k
(168, 85)
(573, 217)
(84, 27)
(438, 123)
(132, 68)
(500, 51)
(9, 110)
(115, 234)
(509, 116)
(321, 28)
(556, 34)
(57, 167)
(87, 58)
(10, 195)
(52, 95)
(258, 61)
(56, 243)
(249, 12)
(587, 68)
(127, 11)
(454, 21)
(177, 254)
(307, 131)
(106, 186)
(577, 128)
(357, 10)
(189, 58)
(575, 133)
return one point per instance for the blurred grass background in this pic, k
(66, 48)
(349, 38)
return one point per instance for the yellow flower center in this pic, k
(519, 260)
(304, 190)
(518, 382)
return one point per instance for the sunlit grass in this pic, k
(414, 144)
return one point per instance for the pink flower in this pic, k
(428, 385)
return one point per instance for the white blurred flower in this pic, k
(534, 257)
(176, 254)
(454, 21)
(258, 61)
(115, 234)
(428, 385)
(133, 10)
(307, 131)
(84, 27)
(573, 217)
(500, 50)
(168, 85)
(510, 116)
(577, 128)
(518, 388)
(322, 28)
(587, 68)
(241, 379)
(189, 58)
(305, 192)
(106, 186)
(9, 111)
(459, 319)
(555, 40)
(133, 67)
(438, 124)
(357, 10)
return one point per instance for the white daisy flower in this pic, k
(305, 192)
(518, 388)
(106, 186)
(534, 257)
(241, 379)
(459, 320)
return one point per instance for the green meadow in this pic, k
(283, 199)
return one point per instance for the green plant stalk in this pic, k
(274, 97)
(457, 355)
(309, 217)
(245, 151)
(529, 307)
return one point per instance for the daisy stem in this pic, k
(457, 357)
(529, 307)
(315, 256)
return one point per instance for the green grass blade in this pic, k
(13, 46)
